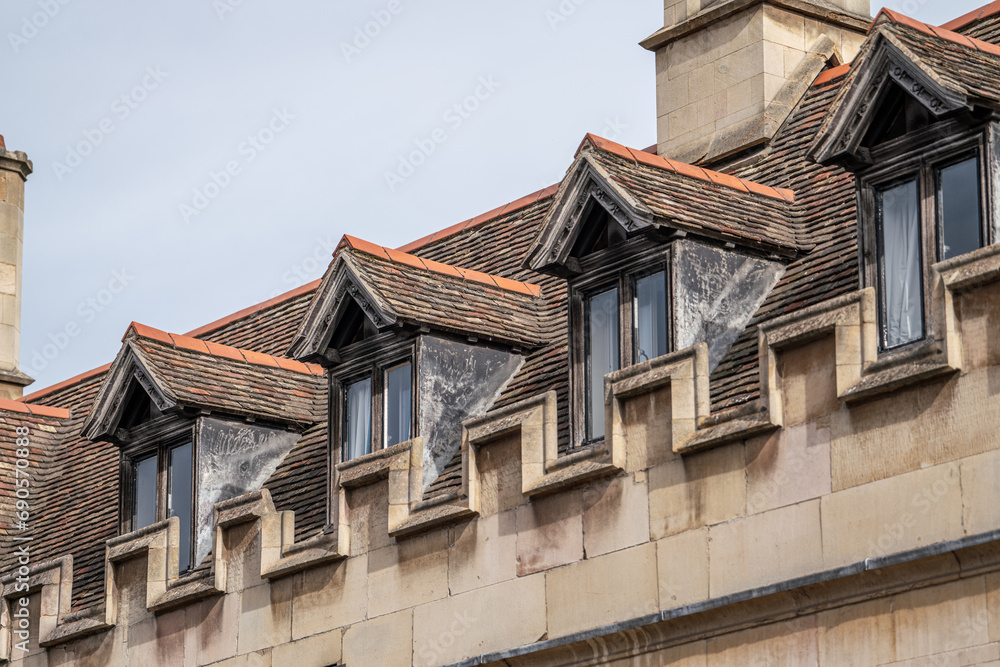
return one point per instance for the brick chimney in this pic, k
(14, 169)
(728, 72)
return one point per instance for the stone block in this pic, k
(317, 651)
(615, 514)
(808, 378)
(330, 596)
(242, 553)
(980, 491)
(786, 643)
(160, 640)
(785, 28)
(682, 567)
(860, 634)
(602, 590)
(549, 532)
(688, 655)
(387, 640)
(101, 650)
(265, 616)
(255, 659)
(770, 547)
(483, 553)
(696, 491)
(368, 512)
(646, 424)
(490, 619)
(914, 428)
(941, 618)
(892, 515)
(217, 622)
(412, 572)
(499, 466)
(787, 467)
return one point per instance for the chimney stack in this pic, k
(14, 169)
(729, 71)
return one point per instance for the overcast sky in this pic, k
(195, 157)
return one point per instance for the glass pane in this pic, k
(961, 214)
(602, 355)
(902, 285)
(358, 426)
(144, 504)
(397, 405)
(179, 487)
(650, 317)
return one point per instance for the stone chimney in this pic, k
(14, 169)
(729, 71)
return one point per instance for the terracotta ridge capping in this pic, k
(516, 205)
(399, 257)
(826, 76)
(251, 310)
(983, 12)
(933, 31)
(34, 396)
(225, 351)
(35, 410)
(683, 169)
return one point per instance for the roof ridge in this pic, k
(34, 410)
(934, 31)
(689, 170)
(217, 350)
(516, 205)
(251, 310)
(406, 259)
(983, 12)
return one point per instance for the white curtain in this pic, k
(901, 256)
(359, 418)
(650, 306)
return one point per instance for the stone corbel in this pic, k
(542, 469)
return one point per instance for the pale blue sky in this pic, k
(162, 96)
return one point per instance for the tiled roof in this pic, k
(832, 74)
(442, 296)
(212, 327)
(702, 201)
(982, 23)
(228, 380)
(966, 21)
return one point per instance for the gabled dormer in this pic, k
(413, 348)
(915, 121)
(197, 423)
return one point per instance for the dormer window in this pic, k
(377, 407)
(162, 482)
(923, 204)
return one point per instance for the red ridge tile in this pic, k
(46, 411)
(189, 343)
(971, 17)
(419, 243)
(292, 365)
(259, 359)
(404, 258)
(148, 332)
(953, 37)
(535, 290)
(483, 218)
(438, 267)
(366, 246)
(831, 74)
(765, 190)
(224, 351)
(651, 160)
(477, 276)
(688, 170)
(727, 180)
(14, 406)
(511, 285)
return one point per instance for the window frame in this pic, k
(620, 265)
(370, 358)
(919, 155)
(157, 437)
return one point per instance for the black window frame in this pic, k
(158, 437)
(619, 265)
(919, 155)
(370, 358)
